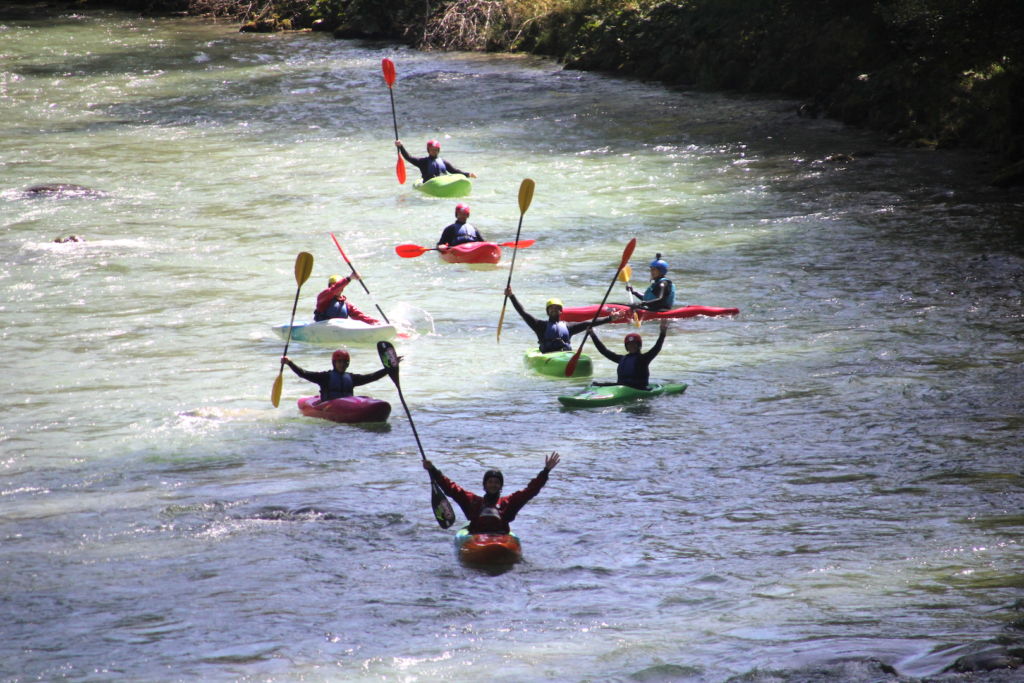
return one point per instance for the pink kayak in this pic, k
(472, 252)
(348, 409)
(583, 313)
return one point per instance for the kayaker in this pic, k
(634, 367)
(331, 303)
(661, 295)
(460, 232)
(553, 334)
(431, 165)
(491, 513)
(337, 382)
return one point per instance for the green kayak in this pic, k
(553, 364)
(609, 395)
(448, 185)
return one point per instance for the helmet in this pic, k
(461, 207)
(494, 473)
(333, 279)
(433, 144)
(554, 302)
(340, 354)
(659, 264)
(632, 337)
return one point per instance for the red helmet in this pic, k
(340, 354)
(460, 208)
(433, 144)
(632, 337)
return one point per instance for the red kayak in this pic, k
(487, 549)
(472, 252)
(583, 313)
(348, 409)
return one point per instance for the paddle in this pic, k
(303, 267)
(626, 253)
(624, 276)
(525, 197)
(388, 67)
(441, 506)
(360, 278)
(414, 250)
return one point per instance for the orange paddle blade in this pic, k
(411, 250)
(388, 67)
(400, 170)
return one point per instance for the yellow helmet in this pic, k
(333, 279)
(554, 302)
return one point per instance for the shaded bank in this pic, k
(940, 73)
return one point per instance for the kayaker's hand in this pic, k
(427, 465)
(285, 360)
(398, 143)
(354, 276)
(552, 460)
(664, 324)
(471, 175)
(508, 290)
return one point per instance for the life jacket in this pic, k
(649, 295)
(556, 337)
(466, 233)
(336, 309)
(632, 372)
(489, 521)
(339, 385)
(436, 167)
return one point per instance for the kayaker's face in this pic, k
(554, 312)
(462, 216)
(432, 152)
(655, 273)
(492, 485)
(341, 365)
(633, 346)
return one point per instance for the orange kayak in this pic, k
(487, 549)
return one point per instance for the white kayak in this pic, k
(338, 331)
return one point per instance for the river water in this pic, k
(840, 484)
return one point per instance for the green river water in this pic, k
(840, 485)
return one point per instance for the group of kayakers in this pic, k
(492, 513)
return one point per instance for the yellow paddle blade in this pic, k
(525, 194)
(625, 273)
(275, 393)
(303, 267)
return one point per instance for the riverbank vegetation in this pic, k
(939, 73)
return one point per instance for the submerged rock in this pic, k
(62, 190)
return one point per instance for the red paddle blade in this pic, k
(400, 170)
(521, 244)
(626, 253)
(388, 67)
(570, 367)
(410, 250)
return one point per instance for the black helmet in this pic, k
(494, 473)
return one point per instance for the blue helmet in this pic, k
(659, 264)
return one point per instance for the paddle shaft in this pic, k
(394, 117)
(508, 283)
(626, 253)
(303, 267)
(365, 289)
(525, 197)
